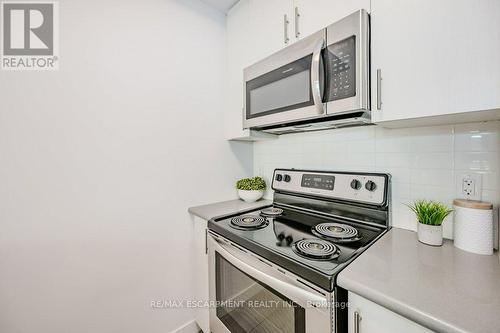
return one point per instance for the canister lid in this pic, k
(473, 204)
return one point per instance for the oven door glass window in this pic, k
(285, 88)
(244, 305)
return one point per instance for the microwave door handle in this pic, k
(315, 77)
(299, 295)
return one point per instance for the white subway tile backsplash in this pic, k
(393, 160)
(424, 162)
(477, 137)
(476, 161)
(445, 178)
(443, 160)
(431, 139)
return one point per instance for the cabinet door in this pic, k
(269, 32)
(377, 319)
(436, 57)
(317, 14)
(239, 55)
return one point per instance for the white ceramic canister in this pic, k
(473, 226)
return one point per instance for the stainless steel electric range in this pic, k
(275, 269)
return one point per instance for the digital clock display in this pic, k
(322, 182)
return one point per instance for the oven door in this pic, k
(287, 86)
(249, 294)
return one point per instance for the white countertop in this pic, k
(216, 209)
(442, 288)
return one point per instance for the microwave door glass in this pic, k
(286, 88)
(288, 91)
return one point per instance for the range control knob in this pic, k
(279, 177)
(370, 186)
(287, 178)
(355, 184)
(280, 238)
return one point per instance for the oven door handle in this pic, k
(297, 294)
(315, 76)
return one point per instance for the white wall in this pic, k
(424, 162)
(100, 160)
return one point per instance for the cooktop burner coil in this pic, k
(271, 212)
(249, 222)
(316, 249)
(337, 232)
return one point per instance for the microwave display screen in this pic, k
(341, 66)
(322, 182)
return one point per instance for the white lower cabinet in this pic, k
(373, 318)
(201, 272)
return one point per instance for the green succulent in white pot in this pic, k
(430, 216)
(251, 189)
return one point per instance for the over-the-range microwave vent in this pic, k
(358, 118)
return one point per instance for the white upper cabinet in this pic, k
(436, 58)
(239, 55)
(271, 23)
(313, 15)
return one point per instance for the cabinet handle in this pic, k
(297, 15)
(206, 241)
(357, 319)
(379, 89)
(285, 29)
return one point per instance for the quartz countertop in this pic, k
(216, 209)
(442, 288)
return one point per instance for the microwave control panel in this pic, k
(341, 66)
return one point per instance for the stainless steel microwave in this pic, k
(321, 81)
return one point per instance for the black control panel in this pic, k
(341, 67)
(322, 182)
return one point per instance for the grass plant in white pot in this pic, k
(251, 189)
(430, 216)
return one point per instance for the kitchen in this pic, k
(103, 157)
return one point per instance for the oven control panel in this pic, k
(369, 188)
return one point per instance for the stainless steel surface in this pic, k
(315, 77)
(352, 111)
(364, 119)
(287, 258)
(342, 189)
(379, 89)
(357, 319)
(297, 16)
(275, 277)
(286, 39)
(369, 216)
(216, 209)
(355, 24)
(298, 50)
(453, 290)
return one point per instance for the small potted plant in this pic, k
(430, 216)
(251, 189)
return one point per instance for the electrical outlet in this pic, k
(469, 186)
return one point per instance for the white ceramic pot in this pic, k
(250, 196)
(430, 234)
